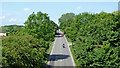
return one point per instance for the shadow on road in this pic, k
(56, 57)
(49, 66)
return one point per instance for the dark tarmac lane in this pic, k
(61, 56)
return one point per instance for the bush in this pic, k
(23, 51)
(96, 38)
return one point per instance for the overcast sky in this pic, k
(16, 13)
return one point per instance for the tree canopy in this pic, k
(66, 20)
(40, 26)
(96, 38)
(28, 46)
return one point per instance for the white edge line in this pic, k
(51, 52)
(70, 53)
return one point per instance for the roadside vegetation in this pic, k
(96, 37)
(29, 45)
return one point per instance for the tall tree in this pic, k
(66, 20)
(40, 26)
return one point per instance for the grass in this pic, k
(77, 64)
(49, 50)
(68, 39)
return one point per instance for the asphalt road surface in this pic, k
(61, 56)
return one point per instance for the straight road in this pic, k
(61, 56)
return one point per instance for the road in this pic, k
(60, 56)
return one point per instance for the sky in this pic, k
(16, 13)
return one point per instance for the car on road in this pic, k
(62, 34)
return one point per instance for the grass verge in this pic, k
(49, 50)
(68, 39)
(76, 62)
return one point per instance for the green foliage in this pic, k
(24, 51)
(13, 30)
(28, 46)
(40, 26)
(96, 38)
(66, 20)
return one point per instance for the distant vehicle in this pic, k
(62, 34)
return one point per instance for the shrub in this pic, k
(23, 51)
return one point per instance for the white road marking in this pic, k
(52, 50)
(61, 50)
(70, 52)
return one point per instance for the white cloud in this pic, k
(21, 20)
(78, 8)
(26, 9)
(12, 20)
(2, 17)
(8, 14)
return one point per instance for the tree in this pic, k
(96, 38)
(40, 26)
(66, 20)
